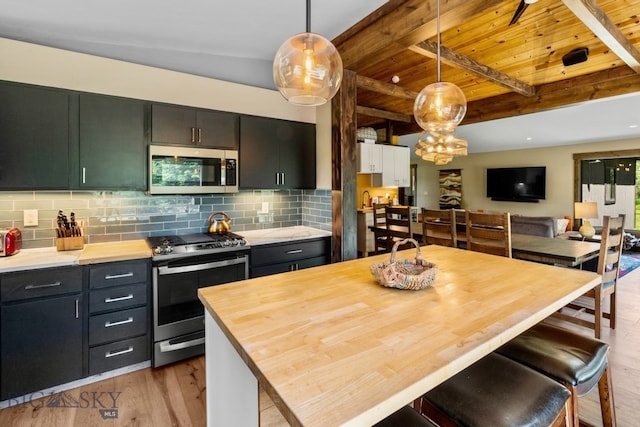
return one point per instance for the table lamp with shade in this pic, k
(586, 211)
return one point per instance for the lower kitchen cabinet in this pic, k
(41, 329)
(290, 256)
(119, 316)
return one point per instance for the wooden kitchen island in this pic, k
(332, 347)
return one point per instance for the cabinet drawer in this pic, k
(118, 273)
(265, 270)
(118, 325)
(118, 354)
(117, 298)
(268, 254)
(40, 283)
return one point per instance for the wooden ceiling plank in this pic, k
(384, 88)
(455, 59)
(382, 114)
(597, 21)
(411, 22)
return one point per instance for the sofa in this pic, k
(544, 226)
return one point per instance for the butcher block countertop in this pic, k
(29, 259)
(332, 347)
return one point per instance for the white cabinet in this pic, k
(369, 158)
(365, 242)
(395, 166)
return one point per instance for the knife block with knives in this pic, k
(70, 233)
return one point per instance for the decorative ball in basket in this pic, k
(405, 274)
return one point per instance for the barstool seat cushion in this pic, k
(568, 357)
(496, 391)
(405, 417)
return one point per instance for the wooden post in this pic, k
(343, 163)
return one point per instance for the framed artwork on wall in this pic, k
(450, 188)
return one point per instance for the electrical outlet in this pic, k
(30, 217)
(265, 207)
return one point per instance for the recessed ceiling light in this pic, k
(529, 138)
(633, 126)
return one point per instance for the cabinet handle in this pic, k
(118, 276)
(124, 298)
(118, 323)
(282, 178)
(277, 178)
(193, 135)
(199, 135)
(294, 251)
(118, 353)
(44, 285)
(77, 308)
(84, 175)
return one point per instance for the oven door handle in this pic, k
(166, 346)
(198, 267)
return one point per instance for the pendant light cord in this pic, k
(309, 16)
(437, 31)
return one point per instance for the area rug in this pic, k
(628, 263)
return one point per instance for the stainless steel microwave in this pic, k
(188, 170)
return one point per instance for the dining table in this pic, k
(331, 346)
(556, 251)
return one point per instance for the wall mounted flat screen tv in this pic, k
(523, 184)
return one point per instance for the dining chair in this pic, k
(576, 361)
(591, 303)
(489, 233)
(380, 236)
(499, 392)
(398, 223)
(439, 227)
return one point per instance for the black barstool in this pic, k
(576, 361)
(498, 392)
(405, 417)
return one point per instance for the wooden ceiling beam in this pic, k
(374, 85)
(450, 57)
(597, 21)
(599, 85)
(410, 22)
(382, 114)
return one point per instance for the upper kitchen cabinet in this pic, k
(34, 137)
(276, 154)
(112, 143)
(395, 166)
(173, 124)
(369, 158)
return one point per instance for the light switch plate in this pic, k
(30, 217)
(265, 207)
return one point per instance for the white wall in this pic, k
(40, 65)
(560, 179)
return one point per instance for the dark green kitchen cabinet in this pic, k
(42, 316)
(113, 143)
(276, 154)
(174, 124)
(35, 137)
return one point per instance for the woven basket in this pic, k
(405, 274)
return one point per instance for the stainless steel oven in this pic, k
(178, 273)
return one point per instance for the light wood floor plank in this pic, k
(175, 395)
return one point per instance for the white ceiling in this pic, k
(236, 41)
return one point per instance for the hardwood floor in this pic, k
(175, 395)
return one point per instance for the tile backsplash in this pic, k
(114, 216)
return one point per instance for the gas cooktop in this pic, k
(194, 244)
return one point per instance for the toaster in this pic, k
(10, 241)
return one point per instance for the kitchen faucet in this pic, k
(368, 198)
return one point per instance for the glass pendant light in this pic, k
(438, 109)
(307, 69)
